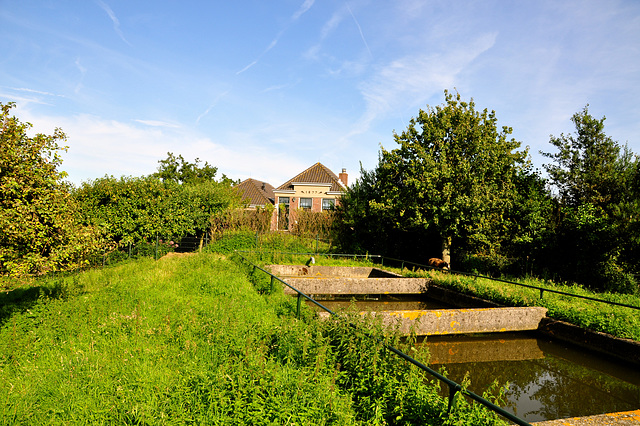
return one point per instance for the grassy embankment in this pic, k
(193, 340)
(616, 320)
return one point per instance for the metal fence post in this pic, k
(156, 255)
(298, 307)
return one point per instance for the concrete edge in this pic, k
(626, 350)
(622, 419)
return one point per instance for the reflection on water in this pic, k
(547, 380)
(378, 303)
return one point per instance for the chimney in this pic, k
(344, 177)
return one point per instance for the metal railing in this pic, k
(454, 388)
(541, 289)
(404, 262)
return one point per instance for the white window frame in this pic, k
(331, 202)
(306, 207)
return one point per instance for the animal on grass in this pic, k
(434, 262)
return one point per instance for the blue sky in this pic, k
(267, 88)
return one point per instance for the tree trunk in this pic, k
(446, 250)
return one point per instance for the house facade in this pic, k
(316, 189)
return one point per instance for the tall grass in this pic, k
(189, 340)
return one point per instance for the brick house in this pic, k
(316, 189)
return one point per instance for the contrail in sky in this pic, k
(359, 29)
(114, 19)
(301, 11)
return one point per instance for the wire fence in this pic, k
(155, 246)
(402, 264)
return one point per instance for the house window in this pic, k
(283, 200)
(306, 203)
(328, 203)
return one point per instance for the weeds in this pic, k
(189, 340)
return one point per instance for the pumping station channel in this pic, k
(551, 370)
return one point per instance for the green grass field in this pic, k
(192, 340)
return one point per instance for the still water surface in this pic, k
(545, 379)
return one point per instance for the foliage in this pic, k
(599, 214)
(136, 209)
(311, 224)
(453, 177)
(256, 220)
(38, 228)
(178, 170)
(588, 167)
(188, 340)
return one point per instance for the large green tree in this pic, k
(597, 180)
(589, 166)
(38, 227)
(453, 174)
(177, 169)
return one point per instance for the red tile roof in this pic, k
(315, 174)
(255, 192)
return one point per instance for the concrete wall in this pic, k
(461, 321)
(348, 286)
(318, 271)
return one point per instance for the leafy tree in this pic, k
(453, 174)
(177, 169)
(597, 233)
(38, 227)
(589, 166)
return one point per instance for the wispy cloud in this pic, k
(410, 81)
(114, 19)
(157, 123)
(37, 92)
(303, 9)
(249, 66)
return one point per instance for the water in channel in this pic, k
(545, 379)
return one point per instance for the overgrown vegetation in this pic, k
(189, 339)
(455, 184)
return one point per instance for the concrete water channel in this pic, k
(548, 378)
